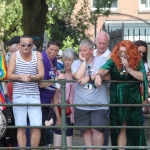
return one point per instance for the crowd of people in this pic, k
(126, 62)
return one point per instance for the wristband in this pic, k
(99, 74)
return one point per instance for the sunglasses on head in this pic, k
(120, 52)
(28, 45)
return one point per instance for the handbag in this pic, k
(68, 108)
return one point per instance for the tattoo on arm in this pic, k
(41, 60)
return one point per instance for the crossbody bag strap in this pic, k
(70, 91)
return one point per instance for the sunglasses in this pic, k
(143, 53)
(120, 52)
(28, 45)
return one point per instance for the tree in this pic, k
(36, 17)
(10, 19)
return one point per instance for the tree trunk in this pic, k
(34, 17)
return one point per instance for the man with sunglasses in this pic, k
(26, 65)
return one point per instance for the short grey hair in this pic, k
(88, 43)
(102, 33)
(69, 53)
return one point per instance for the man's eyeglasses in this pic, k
(120, 52)
(28, 45)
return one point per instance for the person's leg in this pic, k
(50, 136)
(98, 118)
(97, 138)
(35, 117)
(87, 138)
(20, 116)
(82, 118)
(35, 137)
(21, 137)
(45, 112)
(69, 141)
(122, 139)
(57, 140)
(69, 133)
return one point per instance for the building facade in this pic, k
(131, 15)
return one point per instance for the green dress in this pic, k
(126, 93)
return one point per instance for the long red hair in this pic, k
(133, 55)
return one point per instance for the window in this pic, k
(144, 5)
(113, 6)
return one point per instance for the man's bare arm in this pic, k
(40, 68)
(11, 68)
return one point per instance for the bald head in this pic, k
(102, 42)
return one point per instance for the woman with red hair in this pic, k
(125, 65)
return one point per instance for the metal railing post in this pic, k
(63, 115)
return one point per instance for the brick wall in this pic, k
(128, 10)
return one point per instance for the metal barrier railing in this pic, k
(64, 126)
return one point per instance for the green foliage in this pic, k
(61, 20)
(10, 19)
(70, 43)
(76, 24)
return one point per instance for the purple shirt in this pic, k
(46, 94)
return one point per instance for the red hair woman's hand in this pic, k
(98, 80)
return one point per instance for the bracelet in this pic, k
(99, 75)
(129, 70)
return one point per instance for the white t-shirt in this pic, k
(106, 54)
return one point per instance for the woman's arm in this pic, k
(101, 75)
(55, 101)
(47, 84)
(136, 74)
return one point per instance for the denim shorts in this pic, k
(20, 112)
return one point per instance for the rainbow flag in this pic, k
(2, 76)
(2, 67)
(2, 101)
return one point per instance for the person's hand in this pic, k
(84, 80)
(58, 121)
(146, 109)
(49, 123)
(98, 80)
(125, 63)
(81, 58)
(25, 77)
(61, 76)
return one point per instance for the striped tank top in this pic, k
(24, 67)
